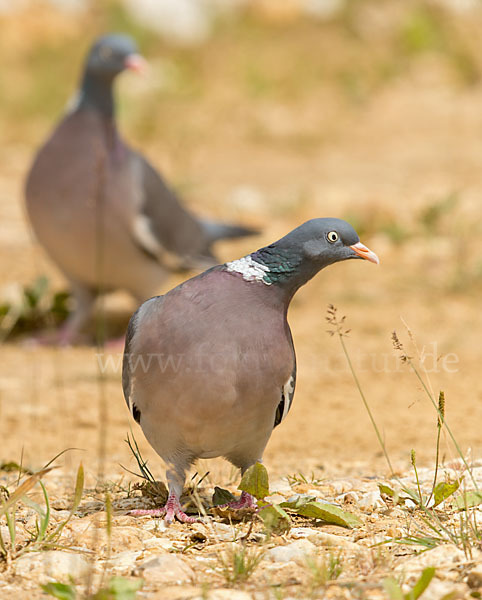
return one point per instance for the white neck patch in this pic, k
(249, 269)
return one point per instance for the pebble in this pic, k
(124, 562)
(218, 531)
(349, 497)
(442, 557)
(296, 552)
(474, 578)
(371, 501)
(341, 486)
(165, 568)
(52, 564)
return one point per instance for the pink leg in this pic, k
(170, 511)
(246, 501)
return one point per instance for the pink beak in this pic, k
(365, 253)
(136, 62)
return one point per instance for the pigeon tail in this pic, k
(220, 231)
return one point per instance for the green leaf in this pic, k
(299, 501)
(275, 519)
(120, 588)
(79, 488)
(59, 590)
(221, 496)
(255, 481)
(393, 589)
(385, 489)
(421, 584)
(330, 514)
(468, 500)
(444, 490)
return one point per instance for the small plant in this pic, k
(33, 307)
(239, 562)
(339, 329)
(299, 478)
(44, 536)
(323, 570)
(118, 588)
(394, 591)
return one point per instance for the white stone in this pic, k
(52, 564)
(124, 562)
(341, 486)
(320, 538)
(371, 501)
(280, 486)
(442, 557)
(296, 552)
(165, 568)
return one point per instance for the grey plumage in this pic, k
(100, 209)
(209, 368)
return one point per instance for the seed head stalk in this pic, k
(338, 325)
(440, 410)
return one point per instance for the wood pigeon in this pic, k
(209, 368)
(101, 210)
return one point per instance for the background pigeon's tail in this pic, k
(219, 231)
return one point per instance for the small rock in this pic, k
(158, 544)
(296, 552)
(341, 486)
(474, 579)
(165, 568)
(52, 564)
(371, 501)
(124, 562)
(60, 515)
(320, 538)
(442, 557)
(348, 498)
(219, 531)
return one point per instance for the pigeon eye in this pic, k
(332, 236)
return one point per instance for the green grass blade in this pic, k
(421, 584)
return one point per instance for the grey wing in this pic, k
(163, 228)
(130, 358)
(287, 394)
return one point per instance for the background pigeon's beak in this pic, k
(364, 252)
(136, 62)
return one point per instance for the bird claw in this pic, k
(171, 511)
(246, 501)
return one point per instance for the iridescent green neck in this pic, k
(282, 264)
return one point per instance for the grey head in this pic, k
(298, 256)
(108, 57)
(111, 54)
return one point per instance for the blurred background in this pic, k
(272, 112)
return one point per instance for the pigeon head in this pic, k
(111, 54)
(322, 242)
(296, 258)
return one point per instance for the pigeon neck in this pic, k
(96, 92)
(283, 268)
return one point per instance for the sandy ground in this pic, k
(275, 164)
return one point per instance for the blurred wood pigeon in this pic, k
(100, 209)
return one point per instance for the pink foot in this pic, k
(246, 501)
(171, 511)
